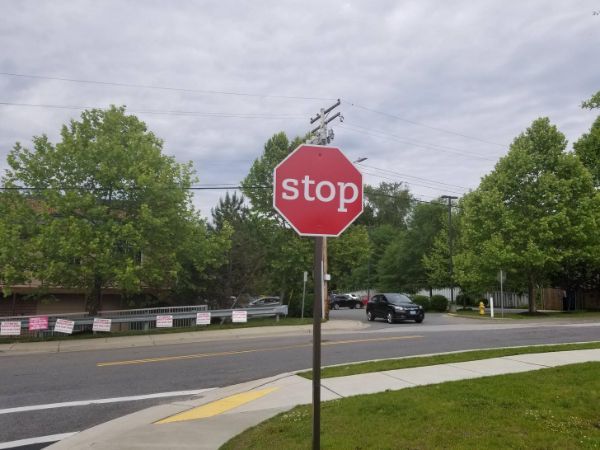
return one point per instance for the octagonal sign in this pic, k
(318, 190)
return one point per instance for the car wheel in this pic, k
(390, 318)
(419, 320)
(336, 306)
(370, 316)
(359, 305)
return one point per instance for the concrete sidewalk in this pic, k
(210, 420)
(108, 343)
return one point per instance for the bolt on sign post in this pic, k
(319, 193)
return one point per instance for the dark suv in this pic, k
(345, 300)
(392, 307)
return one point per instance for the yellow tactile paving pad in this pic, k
(217, 407)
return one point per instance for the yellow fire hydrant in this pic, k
(481, 309)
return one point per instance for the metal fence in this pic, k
(142, 319)
(508, 299)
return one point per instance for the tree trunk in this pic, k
(94, 299)
(531, 292)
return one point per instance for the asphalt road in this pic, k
(66, 377)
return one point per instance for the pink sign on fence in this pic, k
(38, 323)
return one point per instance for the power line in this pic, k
(200, 188)
(393, 172)
(240, 94)
(416, 199)
(412, 122)
(170, 113)
(84, 188)
(163, 88)
(422, 144)
(411, 183)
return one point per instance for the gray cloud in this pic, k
(482, 69)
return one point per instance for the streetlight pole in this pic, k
(450, 265)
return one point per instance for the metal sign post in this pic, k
(319, 192)
(303, 294)
(502, 279)
(316, 375)
(501, 294)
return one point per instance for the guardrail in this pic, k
(142, 319)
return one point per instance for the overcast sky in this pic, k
(432, 92)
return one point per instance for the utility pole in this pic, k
(320, 136)
(450, 266)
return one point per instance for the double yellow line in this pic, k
(255, 350)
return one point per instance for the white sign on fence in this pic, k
(164, 321)
(101, 324)
(203, 318)
(239, 316)
(64, 326)
(12, 328)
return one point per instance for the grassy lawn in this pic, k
(555, 408)
(259, 322)
(474, 314)
(420, 361)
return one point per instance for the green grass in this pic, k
(555, 408)
(474, 314)
(260, 322)
(420, 361)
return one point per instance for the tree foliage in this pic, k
(17, 252)
(534, 213)
(110, 209)
(347, 255)
(588, 150)
(386, 204)
(592, 102)
(258, 184)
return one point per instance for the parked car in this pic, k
(392, 307)
(265, 301)
(345, 301)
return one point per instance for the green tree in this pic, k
(245, 260)
(536, 212)
(347, 254)
(588, 145)
(110, 209)
(258, 184)
(230, 209)
(386, 204)
(286, 255)
(17, 252)
(402, 265)
(593, 102)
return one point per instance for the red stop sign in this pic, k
(318, 190)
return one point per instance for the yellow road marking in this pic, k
(217, 407)
(254, 350)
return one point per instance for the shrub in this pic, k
(295, 306)
(465, 299)
(438, 303)
(422, 300)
